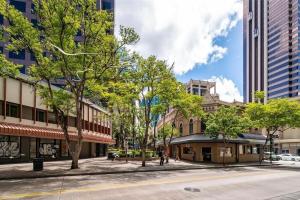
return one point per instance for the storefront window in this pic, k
(249, 150)
(254, 150)
(241, 149)
(32, 147)
(9, 147)
(187, 150)
(48, 148)
(228, 151)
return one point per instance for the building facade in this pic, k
(28, 129)
(271, 57)
(192, 144)
(254, 47)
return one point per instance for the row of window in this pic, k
(283, 84)
(191, 127)
(13, 110)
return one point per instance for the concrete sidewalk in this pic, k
(101, 166)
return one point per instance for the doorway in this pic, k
(206, 154)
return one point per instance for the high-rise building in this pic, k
(255, 47)
(24, 58)
(271, 46)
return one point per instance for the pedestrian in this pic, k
(194, 156)
(161, 156)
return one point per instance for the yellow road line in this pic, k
(103, 186)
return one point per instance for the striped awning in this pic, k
(50, 133)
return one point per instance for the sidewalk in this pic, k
(101, 166)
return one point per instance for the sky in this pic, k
(203, 38)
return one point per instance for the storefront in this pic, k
(201, 148)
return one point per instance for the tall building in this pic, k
(255, 47)
(27, 8)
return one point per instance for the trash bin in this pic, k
(38, 164)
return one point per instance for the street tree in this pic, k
(225, 123)
(149, 75)
(275, 117)
(73, 42)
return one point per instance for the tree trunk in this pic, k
(143, 157)
(261, 155)
(75, 156)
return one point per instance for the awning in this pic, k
(201, 138)
(49, 133)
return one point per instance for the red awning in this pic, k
(49, 133)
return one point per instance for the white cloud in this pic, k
(180, 31)
(227, 90)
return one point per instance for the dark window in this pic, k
(40, 115)
(1, 49)
(32, 8)
(187, 150)
(51, 118)
(191, 126)
(19, 55)
(32, 57)
(34, 23)
(1, 19)
(12, 110)
(21, 6)
(203, 126)
(27, 112)
(180, 129)
(23, 69)
(106, 5)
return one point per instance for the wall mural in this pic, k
(9, 149)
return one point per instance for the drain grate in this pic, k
(190, 189)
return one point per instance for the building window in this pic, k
(72, 121)
(227, 150)
(106, 5)
(203, 126)
(12, 110)
(27, 112)
(1, 50)
(191, 126)
(23, 69)
(32, 8)
(9, 147)
(181, 129)
(19, 5)
(1, 19)
(51, 118)
(241, 149)
(34, 23)
(40, 115)
(187, 150)
(249, 149)
(17, 55)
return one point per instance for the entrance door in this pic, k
(298, 152)
(206, 153)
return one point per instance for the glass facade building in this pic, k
(254, 52)
(271, 48)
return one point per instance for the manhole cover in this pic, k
(190, 189)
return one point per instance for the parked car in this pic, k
(274, 156)
(288, 157)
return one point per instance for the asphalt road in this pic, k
(234, 183)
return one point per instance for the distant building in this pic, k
(271, 57)
(193, 142)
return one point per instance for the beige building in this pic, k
(193, 144)
(28, 129)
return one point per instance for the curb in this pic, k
(133, 171)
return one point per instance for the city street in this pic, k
(232, 183)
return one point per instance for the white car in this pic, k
(288, 157)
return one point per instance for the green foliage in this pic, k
(226, 122)
(276, 114)
(7, 68)
(259, 96)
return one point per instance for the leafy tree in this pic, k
(277, 115)
(80, 49)
(227, 123)
(149, 74)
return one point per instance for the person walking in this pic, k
(161, 156)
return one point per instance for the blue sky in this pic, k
(208, 30)
(229, 67)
